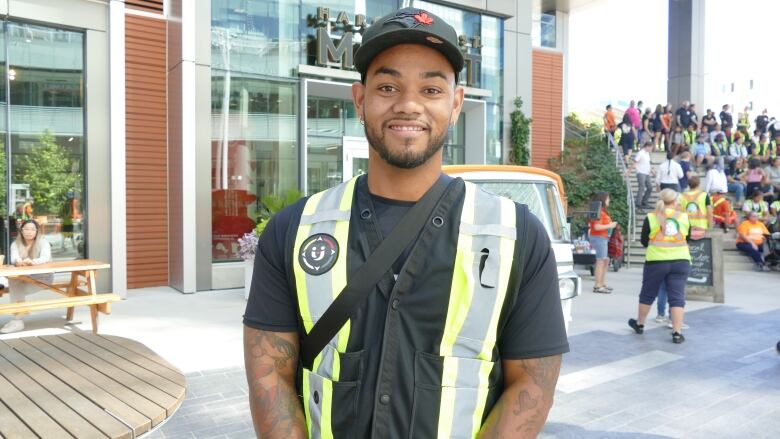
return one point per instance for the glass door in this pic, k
(355, 156)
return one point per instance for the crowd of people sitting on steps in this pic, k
(707, 158)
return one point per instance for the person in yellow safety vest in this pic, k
(690, 135)
(774, 212)
(757, 204)
(665, 234)
(743, 121)
(763, 149)
(697, 204)
(470, 313)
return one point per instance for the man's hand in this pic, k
(529, 389)
(271, 360)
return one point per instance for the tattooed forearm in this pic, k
(528, 396)
(271, 360)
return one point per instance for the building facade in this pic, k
(152, 133)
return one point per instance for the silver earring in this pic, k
(362, 122)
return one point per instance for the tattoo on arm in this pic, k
(271, 361)
(528, 396)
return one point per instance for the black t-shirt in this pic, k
(684, 115)
(707, 120)
(725, 120)
(761, 122)
(529, 331)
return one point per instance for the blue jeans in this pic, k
(738, 189)
(662, 298)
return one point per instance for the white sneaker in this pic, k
(14, 325)
(684, 326)
(660, 319)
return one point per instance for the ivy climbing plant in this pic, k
(521, 131)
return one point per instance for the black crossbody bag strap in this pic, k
(370, 273)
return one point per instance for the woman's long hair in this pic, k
(21, 245)
(667, 198)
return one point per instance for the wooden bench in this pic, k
(82, 273)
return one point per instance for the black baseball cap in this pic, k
(409, 26)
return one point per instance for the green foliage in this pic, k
(586, 168)
(272, 204)
(591, 128)
(521, 131)
(48, 171)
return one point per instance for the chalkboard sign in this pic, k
(701, 262)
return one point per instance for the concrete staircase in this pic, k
(733, 260)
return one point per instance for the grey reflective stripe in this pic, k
(315, 408)
(487, 208)
(463, 412)
(327, 215)
(489, 229)
(320, 288)
(328, 355)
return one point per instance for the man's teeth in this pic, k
(407, 128)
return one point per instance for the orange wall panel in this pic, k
(547, 107)
(147, 149)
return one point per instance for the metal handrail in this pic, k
(620, 163)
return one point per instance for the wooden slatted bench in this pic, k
(82, 273)
(82, 385)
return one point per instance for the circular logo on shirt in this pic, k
(318, 254)
(671, 228)
(692, 208)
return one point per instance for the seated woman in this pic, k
(29, 248)
(750, 239)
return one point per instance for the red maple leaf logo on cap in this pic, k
(423, 18)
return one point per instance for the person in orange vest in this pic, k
(723, 214)
(750, 239)
(697, 204)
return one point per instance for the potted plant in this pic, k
(247, 244)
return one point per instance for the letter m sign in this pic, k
(330, 55)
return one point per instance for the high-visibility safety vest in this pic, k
(761, 208)
(667, 236)
(689, 137)
(448, 382)
(720, 149)
(694, 203)
(761, 149)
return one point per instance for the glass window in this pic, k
(541, 198)
(328, 122)
(254, 153)
(455, 148)
(543, 29)
(46, 93)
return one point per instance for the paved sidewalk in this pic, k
(723, 382)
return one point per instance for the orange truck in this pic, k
(543, 192)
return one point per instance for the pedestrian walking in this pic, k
(669, 173)
(414, 304)
(644, 174)
(599, 240)
(665, 232)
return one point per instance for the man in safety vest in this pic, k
(697, 204)
(763, 150)
(462, 335)
(757, 204)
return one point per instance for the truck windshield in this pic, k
(541, 198)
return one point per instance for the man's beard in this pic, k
(405, 159)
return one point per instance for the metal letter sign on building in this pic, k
(329, 54)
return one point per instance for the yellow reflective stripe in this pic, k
(447, 411)
(326, 428)
(460, 298)
(482, 394)
(339, 270)
(306, 401)
(300, 275)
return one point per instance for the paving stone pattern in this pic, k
(726, 385)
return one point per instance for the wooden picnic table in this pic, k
(82, 274)
(83, 385)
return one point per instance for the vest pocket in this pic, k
(454, 388)
(330, 406)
